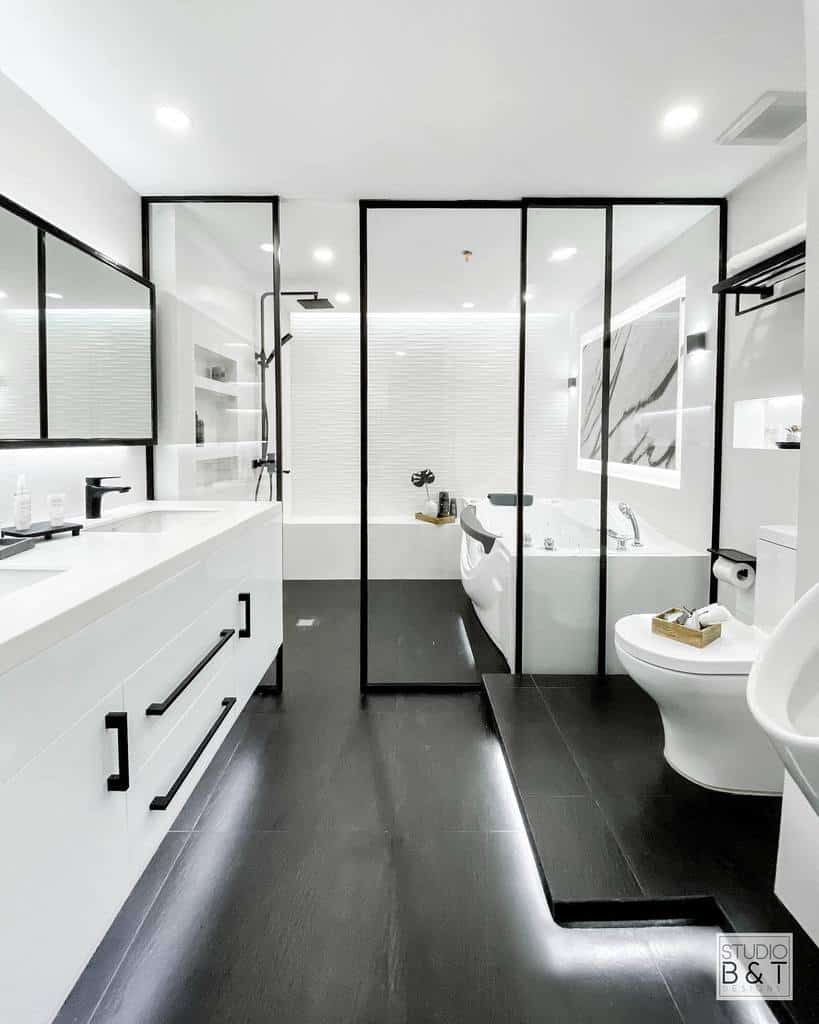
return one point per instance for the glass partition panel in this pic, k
(563, 407)
(98, 330)
(320, 330)
(661, 410)
(212, 263)
(442, 376)
(19, 334)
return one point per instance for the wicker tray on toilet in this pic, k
(693, 637)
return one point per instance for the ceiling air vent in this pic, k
(768, 121)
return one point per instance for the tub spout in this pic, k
(628, 512)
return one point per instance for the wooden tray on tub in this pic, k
(438, 520)
(693, 637)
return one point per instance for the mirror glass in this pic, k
(19, 346)
(98, 324)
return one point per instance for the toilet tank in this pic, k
(775, 575)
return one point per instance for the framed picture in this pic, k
(646, 391)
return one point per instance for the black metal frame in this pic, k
(364, 206)
(760, 278)
(606, 204)
(45, 228)
(146, 203)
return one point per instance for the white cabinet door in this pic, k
(177, 765)
(63, 863)
(263, 584)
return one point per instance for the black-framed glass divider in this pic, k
(568, 395)
(215, 263)
(561, 560)
(439, 377)
(622, 420)
(662, 390)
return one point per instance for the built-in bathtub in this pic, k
(561, 585)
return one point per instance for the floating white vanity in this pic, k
(126, 654)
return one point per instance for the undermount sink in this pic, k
(154, 522)
(783, 693)
(12, 580)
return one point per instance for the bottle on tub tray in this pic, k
(22, 505)
(443, 504)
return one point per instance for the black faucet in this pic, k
(94, 492)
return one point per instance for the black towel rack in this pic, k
(761, 279)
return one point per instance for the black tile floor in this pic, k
(427, 631)
(341, 862)
(587, 762)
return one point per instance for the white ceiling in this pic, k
(425, 99)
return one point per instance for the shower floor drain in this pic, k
(305, 623)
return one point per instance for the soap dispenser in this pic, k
(22, 505)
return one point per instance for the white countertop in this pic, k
(98, 571)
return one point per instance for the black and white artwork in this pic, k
(645, 407)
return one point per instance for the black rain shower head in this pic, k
(286, 338)
(312, 301)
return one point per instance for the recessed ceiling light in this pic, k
(400, 354)
(679, 119)
(323, 254)
(266, 247)
(566, 253)
(3, 295)
(468, 305)
(53, 295)
(173, 119)
(342, 297)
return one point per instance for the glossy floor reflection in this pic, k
(349, 863)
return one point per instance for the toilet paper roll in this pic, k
(735, 574)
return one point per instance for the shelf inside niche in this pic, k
(760, 422)
(225, 388)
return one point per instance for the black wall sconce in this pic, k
(696, 342)
(572, 382)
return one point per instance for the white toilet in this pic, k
(711, 737)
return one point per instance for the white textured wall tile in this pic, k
(19, 374)
(99, 373)
(442, 394)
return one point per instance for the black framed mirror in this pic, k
(77, 340)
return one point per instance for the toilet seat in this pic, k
(732, 654)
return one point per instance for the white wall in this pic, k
(48, 171)
(764, 356)
(684, 513)
(808, 561)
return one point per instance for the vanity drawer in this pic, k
(47, 694)
(173, 679)
(157, 777)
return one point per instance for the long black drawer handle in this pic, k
(118, 720)
(160, 803)
(245, 600)
(162, 707)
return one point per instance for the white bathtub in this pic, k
(560, 587)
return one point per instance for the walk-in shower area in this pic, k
(491, 425)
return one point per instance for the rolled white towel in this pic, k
(769, 248)
(714, 614)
